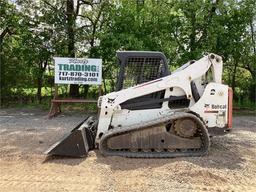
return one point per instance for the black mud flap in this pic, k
(78, 142)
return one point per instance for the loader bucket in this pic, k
(78, 142)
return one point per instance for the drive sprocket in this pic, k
(185, 127)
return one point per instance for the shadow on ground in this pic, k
(33, 135)
(63, 160)
(218, 159)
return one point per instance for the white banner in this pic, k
(78, 71)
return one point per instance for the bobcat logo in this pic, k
(111, 100)
(206, 105)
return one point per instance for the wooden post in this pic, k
(55, 107)
(56, 91)
(100, 90)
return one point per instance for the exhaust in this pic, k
(78, 142)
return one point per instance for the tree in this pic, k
(31, 32)
(8, 25)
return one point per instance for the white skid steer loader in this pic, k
(154, 113)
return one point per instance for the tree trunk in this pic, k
(252, 94)
(86, 89)
(104, 83)
(233, 82)
(42, 67)
(2, 68)
(2, 74)
(39, 88)
(113, 84)
(74, 89)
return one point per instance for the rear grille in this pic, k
(142, 69)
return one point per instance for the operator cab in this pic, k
(137, 67)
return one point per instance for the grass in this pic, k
(81, 107)
(245, 105)
(46, 104)
(244, 112)
(26, 98)
(29, 101)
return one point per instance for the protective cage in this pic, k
(137, 68)
(140, 67)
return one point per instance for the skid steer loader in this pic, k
(154, 113)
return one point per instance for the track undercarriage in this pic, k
(158, 138)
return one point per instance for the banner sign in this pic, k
(78, 71)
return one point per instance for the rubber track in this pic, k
(164, 154)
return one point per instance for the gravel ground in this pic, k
(26, 133)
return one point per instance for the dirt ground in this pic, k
(26, 133)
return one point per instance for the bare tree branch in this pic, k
(86, 2)
(252, 37)
(77, 7)
(87, 17)
(95, 24)
(177, 40)
(53, 7)
(4, 33)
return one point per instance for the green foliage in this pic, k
(183, 30)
